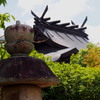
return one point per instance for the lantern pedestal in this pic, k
(22, 92)
(22, 78)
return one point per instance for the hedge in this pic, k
(77, 83)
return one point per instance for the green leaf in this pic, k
(4, 2)
(13, 17)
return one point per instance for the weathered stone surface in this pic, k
(21, 76)
(26, 70)
(22, 92)
(21, 47)
(19, 38)
(19, 32)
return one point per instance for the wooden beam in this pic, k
(63, 25)
(72, 27)
(54, 22)
(46, 19)
(82, 28)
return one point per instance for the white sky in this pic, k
(64, 10)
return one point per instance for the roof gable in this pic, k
(63, 34)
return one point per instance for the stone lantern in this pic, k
(21, 76)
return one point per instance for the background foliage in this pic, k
(89, 57)
(4, 2)
(78, 81)
(6, 17)
(92, 58)
(3, 53)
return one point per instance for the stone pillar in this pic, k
(22, 92)
(21, 76)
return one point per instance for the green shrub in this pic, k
(76, 82)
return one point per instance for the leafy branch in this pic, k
(4, 2)
(5, 17)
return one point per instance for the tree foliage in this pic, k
(3, 52)
(89, 57)
(76, 82)
(79, 57)
(6, 17)
(92, 58)
(4, 2)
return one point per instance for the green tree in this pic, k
(6, 17)
(92, 58)
(89, 57)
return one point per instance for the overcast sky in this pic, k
(64, 10)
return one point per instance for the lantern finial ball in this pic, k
(18, 22)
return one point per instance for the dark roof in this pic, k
(62, 55)
(54, 36)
